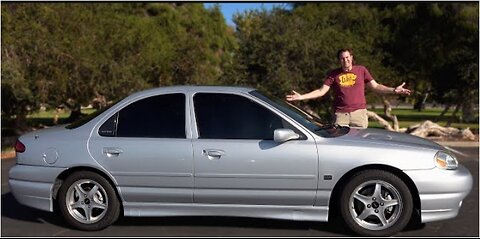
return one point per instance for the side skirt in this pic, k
(296, 213)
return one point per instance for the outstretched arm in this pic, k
(379, 88)
(311, 95)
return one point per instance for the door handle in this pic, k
(213, 153)
(112, 151)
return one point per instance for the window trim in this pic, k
(195, 129)
(116, 111)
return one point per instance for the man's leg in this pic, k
(342, 118)
(359, 118)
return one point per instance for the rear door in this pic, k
(144, 146)
(237, 161)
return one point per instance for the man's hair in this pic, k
(344, 50)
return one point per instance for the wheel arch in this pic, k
(61, 178)
(333, 203)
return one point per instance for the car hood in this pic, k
(382, 136)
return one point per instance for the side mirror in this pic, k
(284, 135)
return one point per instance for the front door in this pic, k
(237, 161)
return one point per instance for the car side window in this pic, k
(109, 128)
(161, 116)
(229, 116)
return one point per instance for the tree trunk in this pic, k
(99, 102)
(380, 120)
(75, 113)
(420, 104)
(20, 123)
(387, 109)
(309, 110)
(468, 114)
(445, 110)
(428, 129)
(454, 115)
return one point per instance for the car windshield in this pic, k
(309, 121)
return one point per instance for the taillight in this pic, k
(19, 147)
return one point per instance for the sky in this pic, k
(230, 8)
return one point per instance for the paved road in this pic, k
(18, 220)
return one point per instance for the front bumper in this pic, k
(441, 191)
(32, 185)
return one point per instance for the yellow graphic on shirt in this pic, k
(347, 80)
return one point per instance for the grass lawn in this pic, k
(49, 114)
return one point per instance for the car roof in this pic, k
(192, 89)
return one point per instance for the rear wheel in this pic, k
(87, 201)
(376, 203)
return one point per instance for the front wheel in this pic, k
(376, 203)
(87, 201)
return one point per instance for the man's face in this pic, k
(346, 60)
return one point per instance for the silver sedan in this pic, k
(231, 151)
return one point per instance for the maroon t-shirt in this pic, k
(349, 88)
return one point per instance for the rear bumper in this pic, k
(441, 191)
(33, 185)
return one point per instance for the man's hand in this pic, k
(400, 90)
(294, 96)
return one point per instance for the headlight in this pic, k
(444, 160)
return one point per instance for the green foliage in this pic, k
(433, 47)
(294, 50)
(441, 55)
(70, 53)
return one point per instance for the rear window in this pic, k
(160, 116)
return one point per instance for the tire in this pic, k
(88, 202)
(376, 203)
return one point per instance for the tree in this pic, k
(283, 50)
(72, 53)
(441, 55)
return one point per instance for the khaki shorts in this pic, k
(357, 118)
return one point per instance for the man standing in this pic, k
(348, 83)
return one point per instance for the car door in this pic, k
(237, 161)
(144, 146)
